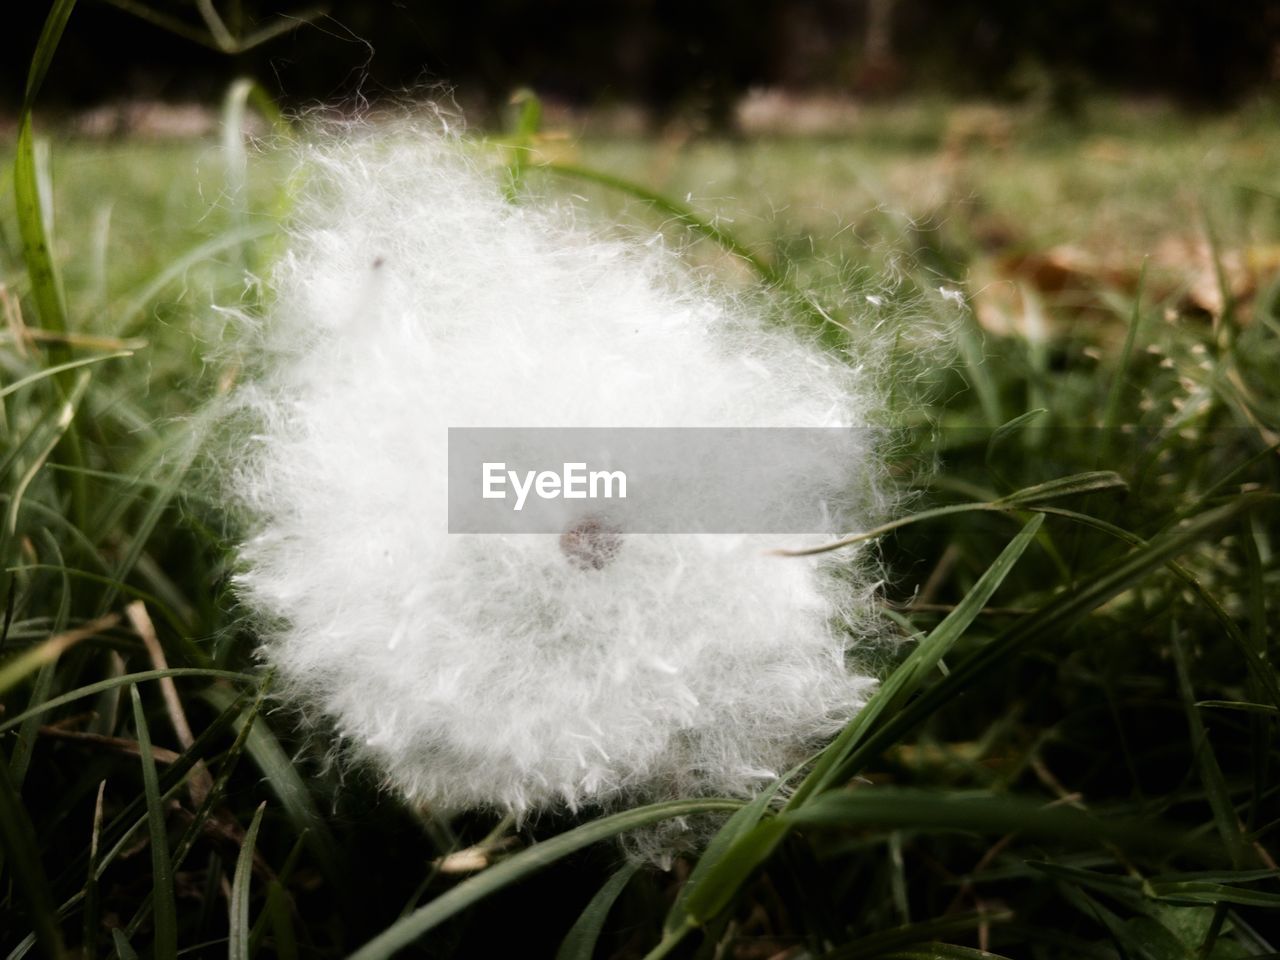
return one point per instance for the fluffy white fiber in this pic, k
(493, 671)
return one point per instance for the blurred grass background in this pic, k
(1073, 754)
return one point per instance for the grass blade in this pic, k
(1259, 670)
(124, 949)
(1054, 617)
(31, 194)
(749, 850)
(971, 343)
(280, 911)
(278, 914)
(580, 942)
(25, 742)
(129, 315)
(187, 761)
(1003, 433)
(519, 142)
(734, 829)
(404, 932)
(907, 679)
(48, 652)
(878, 944)
(239, 921)
(1111, 416)
(1244, 706)
(687, 217)
(19, 840)
(61, 368)
(112, 683)
(90, 888)
(288, 786)
(902, 808)
(156, 507)
(50, 35)
(1075, 485)
(1027, 498)
(62, 430)
(1215, 785)
(1196, 893)
(680, 212)
(162, 896)
(722, 883)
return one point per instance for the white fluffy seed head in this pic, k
(524, 672)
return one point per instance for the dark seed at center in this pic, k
(591, 543)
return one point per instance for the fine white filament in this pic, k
(501, 671)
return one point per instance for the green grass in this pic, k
(1073, 754)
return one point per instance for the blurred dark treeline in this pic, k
(670, 55)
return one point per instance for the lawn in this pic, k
(1073, 753)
